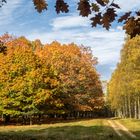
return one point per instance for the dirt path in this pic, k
(119, 129)
(116, 129)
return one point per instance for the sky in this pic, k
(19, 18)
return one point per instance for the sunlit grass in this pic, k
(97, 129)
(94, 129)
(133, 125)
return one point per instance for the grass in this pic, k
(96, 129)
(133, 125)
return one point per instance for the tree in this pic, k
(24, 80)
(50, 79)
(124, 89)
(79, 85)
(104, 13)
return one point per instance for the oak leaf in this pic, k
(108, 17)
(101, 2)
(115, 5)
(96, 20)
(61, 6)
(84, 8)
(40, 5)
(124, 17)
(95, 7)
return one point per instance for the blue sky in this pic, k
(18, 17)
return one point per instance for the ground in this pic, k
(94, 129)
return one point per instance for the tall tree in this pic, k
(24, 80)
(124, 90)
(74, 68)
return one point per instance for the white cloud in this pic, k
(7, 11)
(127, 5)
(106, 45)
(120, 28)
(70, 21)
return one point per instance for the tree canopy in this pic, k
(103, 11)
(51, 78)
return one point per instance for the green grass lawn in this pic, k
(96, 129)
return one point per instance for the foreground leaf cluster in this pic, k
(102, 13)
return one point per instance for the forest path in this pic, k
(120, 129)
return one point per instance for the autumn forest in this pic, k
(61, 81)
(51, 79)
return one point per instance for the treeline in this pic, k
(124, 86)
(48, 79)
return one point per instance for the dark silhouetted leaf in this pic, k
(96, 20)
(2, 2)
(40, 5)
(138, 13)
(84, 8)
(115, 5)
(108, 17)
(124, 17)
(61, 6)
(101, 2)
(95, 7)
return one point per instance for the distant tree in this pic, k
(104, 13)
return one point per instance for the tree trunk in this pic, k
(129, 107)
(135, 109)
(2, 117)
(7, 118)
(138, 107)
(39, 119)
(31, 120)
(77, 114)
(125, 107)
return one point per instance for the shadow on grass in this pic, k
(137, 133)
(50, 121)
(127, 137)
(115, 118)
(63, 133)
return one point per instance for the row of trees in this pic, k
(49, 79)
(124, 86)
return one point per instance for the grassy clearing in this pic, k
(96, 129)
(133, 125)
